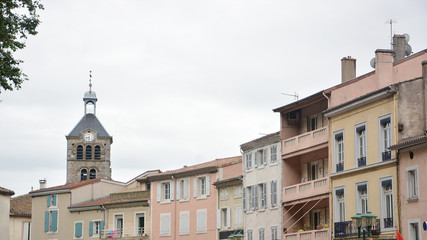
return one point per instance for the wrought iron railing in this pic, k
(340, 167)
(361, 161)
(348, 229)
(127, 233)
(388, 222)
(386, 155)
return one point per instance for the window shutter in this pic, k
(208, 185)
(264, 159)
(172, 190)
(78, 230)
(195, 187)
(218, 219)
(178, 189)
(90, 228)
(54, 226)
(264, 194)
(255, 187)
(48, 200)
(228, 218)
(101, 227)
(159, 192)
(54, 200)
(256, 160)
(186, 188)
(244, 199)
(46, 221)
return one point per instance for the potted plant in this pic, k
(284, 230)
(326, 225)
(295, 229)
(319, 227)
(307, 228)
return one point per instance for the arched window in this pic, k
(92, 173)
(83, 175)
(88, 152)
(97, 152)
(79, 152)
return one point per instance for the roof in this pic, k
(301, 103)
(105, 202)
(410, 142)
(89, 121)
(238, 179)
(205, 167)
(6, 192)
(261, 142)
(20, 206)
(75, 185)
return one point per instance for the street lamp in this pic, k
(357, 221)
(368, 219)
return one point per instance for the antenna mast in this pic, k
(295, 95)
(391, 21)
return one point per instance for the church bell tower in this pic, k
(88, 145)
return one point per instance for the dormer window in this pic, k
(79, 152)
(88, 152)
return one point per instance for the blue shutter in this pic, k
(90, 228)
(54, 200)
(208, 185)
(54, 225)
(78, 230)
(48, 200)
(101, 227)
(46, 221)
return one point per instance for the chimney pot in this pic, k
(348, 68)
(42, 183)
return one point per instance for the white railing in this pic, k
(125, 233)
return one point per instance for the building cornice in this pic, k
(364, 168)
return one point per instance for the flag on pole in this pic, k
(399, 237)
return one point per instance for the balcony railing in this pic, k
(340, 167)
(307, 189)
(348, 229)
(361, 161)
(305, 140)
(388, 222)
(386, 155)
(130, 234)
(323, 234)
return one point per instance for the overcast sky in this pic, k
(181, 82)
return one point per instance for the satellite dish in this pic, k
(407, 38)
(373, 62)
(408, 49)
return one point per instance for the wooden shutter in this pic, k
(244, 199)
(208, 185)
(264, 158)
(178, 189)
(264, 194)
(54, 200)
(172, 190)
(101, 227)
(218, 219)
(186, 188)
(228, 218)
(54, 226)
(159, 192)
(90, 228)
(48, 200)
(78, 230)
(46, 221)
(256, 159)
(195, 187)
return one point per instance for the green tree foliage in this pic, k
(18, 19)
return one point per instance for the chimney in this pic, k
(348, 68)
(42, 183)
(399, 47)
(383, 67)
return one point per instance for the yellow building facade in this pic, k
(363, 170)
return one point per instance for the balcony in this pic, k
(340, 167)
(361, 162)
(348, 229)
(305, 141)
(307, 189)
(128, 234)
(323, 234)
(386, 155)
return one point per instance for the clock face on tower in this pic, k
(89, 137)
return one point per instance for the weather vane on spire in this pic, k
(90, 81)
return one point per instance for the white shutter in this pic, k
(228, 218)
(208, 185)
(244, 198)
(172, 189)
(264, 158)
(195, 187)
(186, 188)
(218, 219)
(256, 159)
(272, 193)
(264, 194)
(256, 196)
(159, 192)
(178, 189)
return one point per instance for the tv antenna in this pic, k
(391, 21)
(295, 95)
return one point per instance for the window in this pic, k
(273, 154)
(166, 187)
(312, 124)
(339, 205)
(261, 234)
(118, 223)
(249, 234)
(202, 186)
(95, 227)
(92, 174)
(51, 221)
(223, 193)
(244, 199)
(51, 200)
(263, 194)
(184, 222)
(165, 224)
(225, 216)
(26, 234)
(315, 218)
(182, 191)
(273, 190)
(165, 191)
(238, 216)
(314, 170)
(362, 197)
(140, 224)
(97, 152)
(385, 137)
(253, 197)
(78, 230)
(79, 152)
(88, 152)
(248, 161)
(412, 183)
(201, 221)
(339, 151)
(237, 191)
(414, 229)
(360, 142)
(274, 234)
(260, 157)
(83, 175)
(387, 210)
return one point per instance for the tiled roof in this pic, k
(230, 180)
(89, 121)
(5, 191)
(74, 185)
(108, 201)
(211, 165)
(21, 206)
(409, 142)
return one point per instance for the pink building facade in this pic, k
(184, 203)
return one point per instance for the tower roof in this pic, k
(89, 121)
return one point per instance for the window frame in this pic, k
(337, 206)
(199, 228)
(168, 233)
(248, 161)
(362, 201)
(361, 144)
(74, 232)
(274, 232)
(412, 222)
(381, 136)
(383, 204)
(273, 154)
(261, 233)
(411, 196)
(339, 144)
(181, 230)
